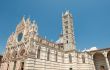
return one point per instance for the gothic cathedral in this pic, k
(26, 50)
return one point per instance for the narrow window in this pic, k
(83, 58)
(66, 37)
(15, 54)
(70, 58)
(48, 55)
(67, 41)
(66, 31)
(38, 53)
(66, 27)
(56, 56)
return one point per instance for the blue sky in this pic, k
(91, 19)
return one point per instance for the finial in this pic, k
(23, 19)
(45, 37)
(67, 12)
(12, 33)
(34, 21)
(28, 20)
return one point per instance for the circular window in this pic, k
(20, 37)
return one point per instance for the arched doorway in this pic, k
(108, 56)
(22, 66)
(102, 68)
(99, 61)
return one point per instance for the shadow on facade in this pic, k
(99, 61)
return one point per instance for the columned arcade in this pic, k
(101, 60)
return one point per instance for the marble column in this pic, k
(93, 65)
(106, 59)
(107, 62)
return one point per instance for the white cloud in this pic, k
(60, 40)
(90, 49)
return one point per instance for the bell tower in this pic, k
(68, 34)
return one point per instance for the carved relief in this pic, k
(8, 55)
(11, 42)
(22, 52)
(14, 54)
(31, 48)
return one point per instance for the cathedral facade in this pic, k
(26, 50)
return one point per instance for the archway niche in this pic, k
(108, 56)
(99, 61)
(70, 69)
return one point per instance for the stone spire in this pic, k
(28, 21)
(23, 20)
(33, 29)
